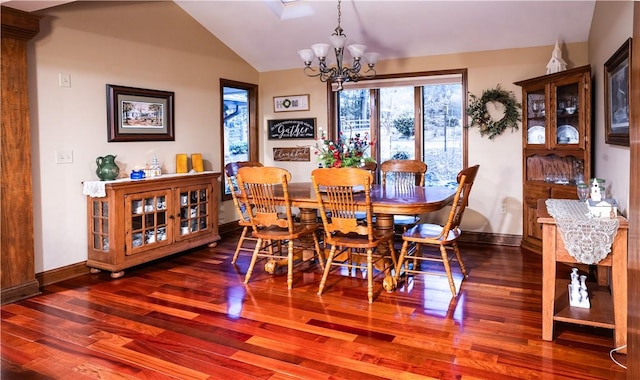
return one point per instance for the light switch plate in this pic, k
(64, 156)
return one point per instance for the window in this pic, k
(239, 125)
(416, 116)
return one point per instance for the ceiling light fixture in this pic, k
(338, 74)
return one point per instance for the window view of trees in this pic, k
(442, 133)
(395, 127)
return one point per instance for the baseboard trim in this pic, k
(20, 292)
(228, 227)
(56, 275)
(491, 239)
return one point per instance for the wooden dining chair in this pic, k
(404, 175)
(341, 193)
(259, 187)
(371, 166)
(442, 236)
(231, 171)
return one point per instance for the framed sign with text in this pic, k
(301, 153)
(292, 129)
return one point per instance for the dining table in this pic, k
(386, 201)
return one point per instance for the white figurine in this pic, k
(578, 293)
(556, 63)
(596, 194)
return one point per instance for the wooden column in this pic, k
(17, 276)
(633, 351)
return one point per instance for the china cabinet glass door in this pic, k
(567, 115)
(536, 118)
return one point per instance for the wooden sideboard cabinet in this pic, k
(556, 142)
(143, 220)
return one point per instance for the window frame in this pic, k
(253, 131)
(333, 114)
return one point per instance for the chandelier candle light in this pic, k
(338, 74)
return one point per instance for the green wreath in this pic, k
(480, 117)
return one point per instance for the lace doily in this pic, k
(587, 239)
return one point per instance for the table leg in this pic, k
(384, 224)
(619, 288)
(548, 279)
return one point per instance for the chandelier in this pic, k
(338, 74)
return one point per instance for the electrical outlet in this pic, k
(503, 208)
(64, 156)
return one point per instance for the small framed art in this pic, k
(291, 103)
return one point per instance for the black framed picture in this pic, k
(616, 95)
(138, 114)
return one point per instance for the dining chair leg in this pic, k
(319, 252)
(327, 267)
(254, 257)
(447, 268)
(290, 265)
(416, 262)
(459, 257)
(370, 275)
(239, 246)
(401, 260)
(392, 253)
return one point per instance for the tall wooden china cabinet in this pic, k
(556, 142)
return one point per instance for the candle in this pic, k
(181, 163)
(196, 162)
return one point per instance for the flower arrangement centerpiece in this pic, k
(346, 152)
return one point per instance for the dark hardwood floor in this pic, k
(191, 317)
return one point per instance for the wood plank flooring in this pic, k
(191, 317)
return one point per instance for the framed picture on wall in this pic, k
(137, 114)
(291, 103)
(616, 95)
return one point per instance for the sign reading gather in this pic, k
(292, 129)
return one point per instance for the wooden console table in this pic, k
(608, 303)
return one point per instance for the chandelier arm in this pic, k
(310, 72)
(329, 74)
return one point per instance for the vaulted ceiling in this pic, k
(268, 33)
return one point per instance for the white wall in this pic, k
(153, 45)
(612, 25)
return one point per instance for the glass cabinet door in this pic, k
(148, 221)
(100, 225)
(567, 115)
(536, 118)
(195, 218)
